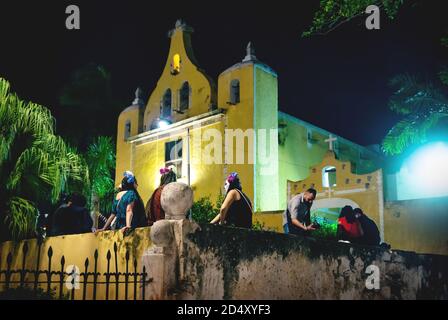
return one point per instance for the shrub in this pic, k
(327, 229)
(261, 226)
(203, 210)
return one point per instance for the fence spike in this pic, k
(25, 248)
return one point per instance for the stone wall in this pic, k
(190, 261)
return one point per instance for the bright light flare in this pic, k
(429, 168)
(162, 124)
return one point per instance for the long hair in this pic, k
(128, 184)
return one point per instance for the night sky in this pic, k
(338, 81)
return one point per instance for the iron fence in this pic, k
(132, 280)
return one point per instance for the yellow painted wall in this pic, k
(202, 88)
(76, 249)
(418, 225)
(149, 157)
(123, 154)
(297, 155)
(239, 116)
(271, 220)
(207, 180)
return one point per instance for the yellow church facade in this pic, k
(207, 129)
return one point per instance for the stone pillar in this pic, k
(176, 200)
(162, 258)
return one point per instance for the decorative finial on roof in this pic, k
(180, 24)
(250, 53)
(138, 97)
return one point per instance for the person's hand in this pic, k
(310, 228)
(125, 229)
(99, 230)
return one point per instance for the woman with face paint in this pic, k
(236, 210)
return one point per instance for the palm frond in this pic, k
(413, 95)
(100, 158)
(21, 216)
(35, 163)
(412, 129)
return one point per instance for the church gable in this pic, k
(183, 90)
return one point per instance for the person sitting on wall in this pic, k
(297, 216)
(154, 210)
(73, 217)
(127, 206)
(371, 234)
(349, 228)
(236, 209)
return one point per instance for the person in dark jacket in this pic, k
(73, 217)
(371, 234)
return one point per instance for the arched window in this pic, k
(185, 96)
(329, 177)
(166, 104)
(127, 129)
(234, 91)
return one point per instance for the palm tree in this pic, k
(35, 164)
(422, 105)
(100, 159)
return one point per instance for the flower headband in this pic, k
(164, 171)
(232, 177)
(130, 178)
